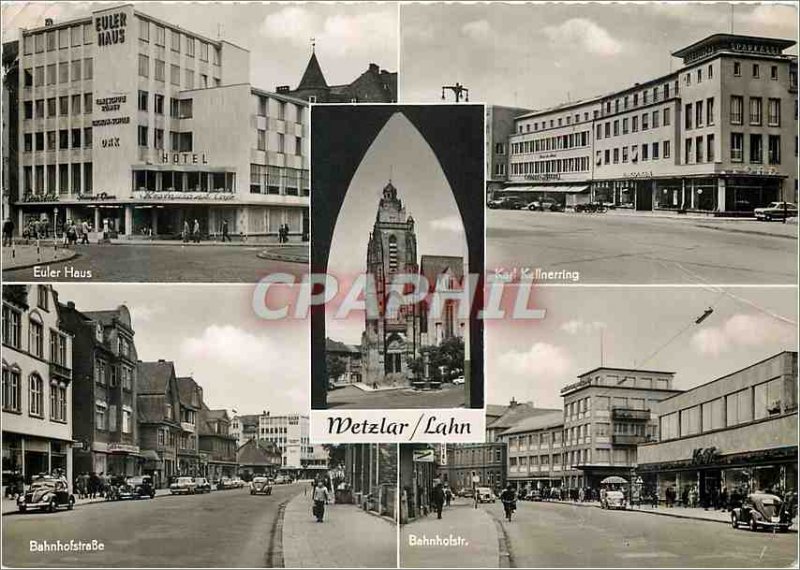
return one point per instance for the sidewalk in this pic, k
(349, 538)
(697, 513)
(465, 537)
(22, 256)
(723, 223)
(10, 505)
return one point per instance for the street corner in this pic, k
(22, 256)
(347, 537)
(465, 537)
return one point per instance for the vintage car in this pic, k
(132, 488)
(545, 205)
(613, 500)
(507, 203)
(201, 485)
(46, 493)
(260, 486)
(485, 495)
(533, 495)
(762, 510)
(183, 486)
(237, 483)
(776, 211)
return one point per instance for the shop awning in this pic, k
(150, 455)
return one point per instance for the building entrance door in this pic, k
(644, 196)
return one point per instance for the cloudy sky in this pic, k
(348, 37)
(213, 335)
(651, 328)
(399, 152)
(537, 56)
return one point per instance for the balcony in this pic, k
(186, 426)
(630, 414)
(619, 439)
(60, 371)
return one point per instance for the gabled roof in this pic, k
(494, 411)
(516, 413)
(248, 420)
(259, 452)
(432, 266)
(537, 422)
(187, 388)
(313, 76)
(154, 377)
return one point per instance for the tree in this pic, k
(445, 361)
(335, 366)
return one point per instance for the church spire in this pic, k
(313, 76)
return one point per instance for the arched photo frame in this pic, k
(341, 136)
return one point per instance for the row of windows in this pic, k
(535, 440)
(167, 181)
(535, 460)
(159, 73)
(552, 166)
(747, 405)
(271, 179)
(649, 151)
(261, 143)
(755, 71)
(631, 124)
(12, 336)
(58, 74)
(755, 147)
(755, 111)
(562, 142)
(658, 93)
(107, 374)
(62, 106)
(695, 120)
(620, 456)
(189, 43)
(178, 108)
(66, 138)
(12, 395)
(263, 109)
(178, 141)
(63, 38)
(75, 178)
(106, 417)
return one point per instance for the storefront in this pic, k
(28, 456)
(567, 195)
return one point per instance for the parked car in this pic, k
(507, 203)
(183, 486)
(776, 211)
(546, 205)
(225, 483)
(485, 495)
(591, 207)
(466, 492)
(46, 493)
(237, 483)
(762, 510)
(282, 480)
(533, 495)
(132, 488)
(201, 485)
(260, 486)
(613, 500)
(459, 380)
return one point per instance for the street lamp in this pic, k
(458, 90)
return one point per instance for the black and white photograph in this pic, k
(162, 142)
(627, 143)
(398, 222)
(632, 426)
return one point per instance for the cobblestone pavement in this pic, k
(348, 538)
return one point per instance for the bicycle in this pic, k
(509, 507)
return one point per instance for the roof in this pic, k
(313, 76)
(258, 452)
(537, 422)
(336, 346)
(120, 315)
(721, 38)
(518, 412)
(494, 411)
(153, 377)
(248, 420)
(187, 390)
(432, 266)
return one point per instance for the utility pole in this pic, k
(458, 90)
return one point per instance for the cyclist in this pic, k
(509, 499)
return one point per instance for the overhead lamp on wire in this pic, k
(458, 90)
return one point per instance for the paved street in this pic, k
(348, 538)
(465, 537)
(355, 399)
(632, 248)
(563, 535)
(163, 263)
(222, 529)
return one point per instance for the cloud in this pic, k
(448, 224)
(341, 35)
(742, 331)
(478, 30)
(234, 365)
(779, 20)
(577, 326)
(542, 361)
(141, 314)
(584, 33)
(16, 15)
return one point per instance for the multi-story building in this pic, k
(738, 432)
(104, 403)
(10, 129)
(500, 125)
(137, 125)
(445, 274)
(466, 461)
(217, 443)
(717, 135)
(349, 358)
(375, 85)
(535, 451)
(289, 433)
(37, 384)
(190, 396)
(258, 457)
(607, 413)
(159, 420)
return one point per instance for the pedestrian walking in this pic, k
(438, 499)
(196, 231)
(85, 229)
(320, 497)
(185, 233)
(448, 496)
(8, 232)
(225, 232)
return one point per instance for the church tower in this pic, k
(389, 342)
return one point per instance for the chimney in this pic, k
(71, 305)
(161, 360)
(282, 89)
(513, 403)
(48, 22)
(373, 67)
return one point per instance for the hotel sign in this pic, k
(111, 29)
(183, 158)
